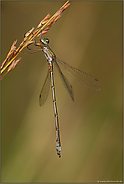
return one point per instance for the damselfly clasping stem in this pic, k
(43, 27)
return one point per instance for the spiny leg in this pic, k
(36, 44)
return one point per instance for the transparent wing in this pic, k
(68, 86)
(81, 77)
(45, 90)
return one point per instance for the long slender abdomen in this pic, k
(58, 143)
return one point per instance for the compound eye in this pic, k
(47, 41)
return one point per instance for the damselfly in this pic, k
(80, 76)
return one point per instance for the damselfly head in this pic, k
(45, 41)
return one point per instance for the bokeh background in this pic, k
(88, 36)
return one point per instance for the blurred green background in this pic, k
(88, 36)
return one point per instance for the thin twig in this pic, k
(43, 27)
